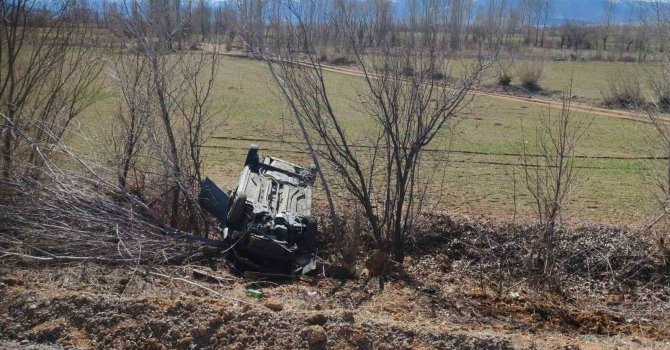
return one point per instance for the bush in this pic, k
(530, 73)
(660, 86)
(341, 61)
(504, 80)
(408, 71)
(627, 59)
(503, 70)
(435, 74)
(664, 101)
(623, 90)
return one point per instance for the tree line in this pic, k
(465, 25)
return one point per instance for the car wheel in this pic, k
(313, 171)
(252, 160)
(309, 238)
(237, 210)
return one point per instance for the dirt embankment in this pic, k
(89, 307)
(464, 288)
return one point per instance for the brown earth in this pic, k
(90, 306)
(465, 285)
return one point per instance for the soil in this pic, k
(89, 306)
(464, 285)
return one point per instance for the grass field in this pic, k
(589, 77)
(608, 190)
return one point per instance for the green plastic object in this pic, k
(254, 293)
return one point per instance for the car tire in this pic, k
(313, 171)
(309, 238)
(252, 160)
(236, 210)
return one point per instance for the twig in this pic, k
(57, 258)
(204, 274)
(200, 286)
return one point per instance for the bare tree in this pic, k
(458, 19)
(48, 75)
(490, 27)
(384, 179)
(575, 36)
(71, 208)
(534, 17)
(659, 176)
(609, 13)
(225, 23)
(382, 22)
(166, 101)
(548, 171)
(202, 18)
(543, 16)
(660, 148)
(252, 15)
(659, 139)
(133, 116)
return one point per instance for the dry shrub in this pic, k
(346, 243)
(76, 217)
(623, 90)
(611, 255)
(595, 258)
(434, 74)
(660, 86)
(504, 66)
(69, 208)
(504, 79)
(408, 71)
(530, 73)
(342, 61)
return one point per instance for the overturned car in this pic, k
(267, 219)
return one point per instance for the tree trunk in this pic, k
(7, 156)
(7, 151)
(165, 117)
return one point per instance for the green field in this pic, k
(589, 77)
(608, 191)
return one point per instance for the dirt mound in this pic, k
(90, 306)
(464, 285)
(87, 320)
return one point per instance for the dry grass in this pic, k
(530, 74)
(623, 90)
